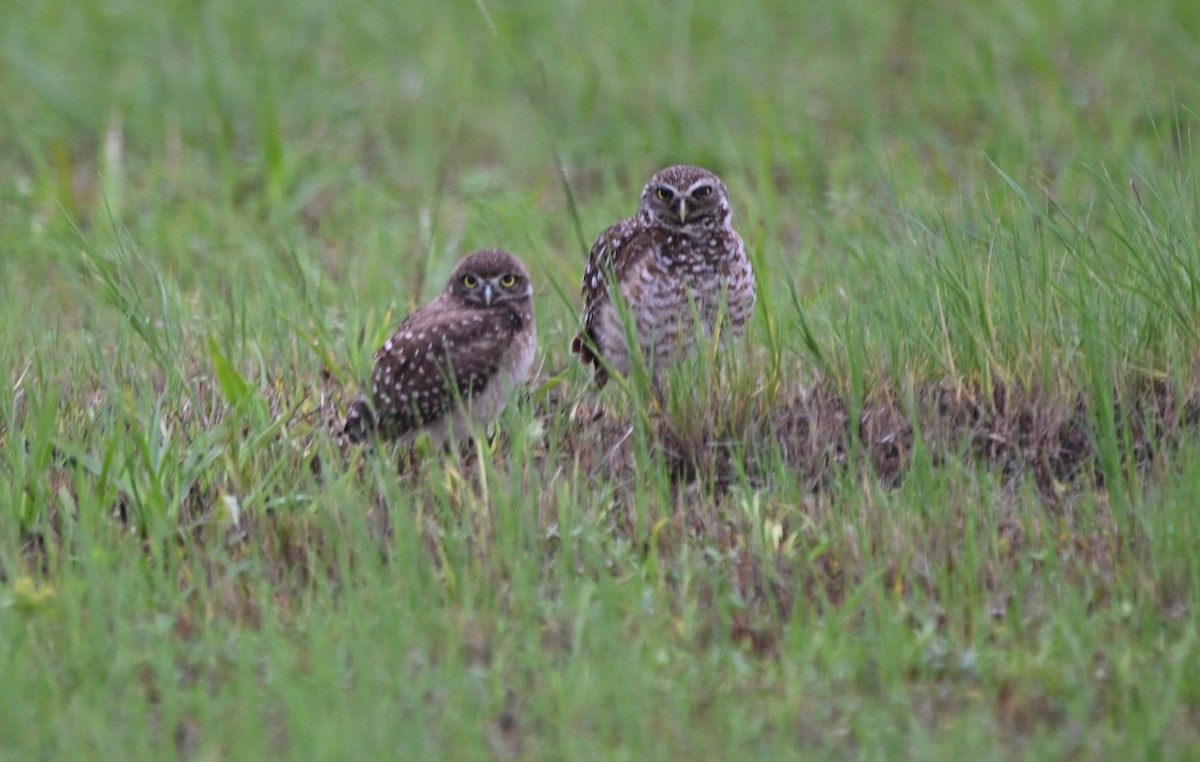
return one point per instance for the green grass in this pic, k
(941, 503)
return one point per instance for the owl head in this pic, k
(489, 277)
(685, 198)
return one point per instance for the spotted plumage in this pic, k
(676, 264)
(452, 364)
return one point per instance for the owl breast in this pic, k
(489, 402)
(682, 287)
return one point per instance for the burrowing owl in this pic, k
(680, 251)
(453, 363)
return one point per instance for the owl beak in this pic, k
(683, 210)
(487, 294)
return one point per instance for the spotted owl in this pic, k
(675, 264)
(452, 365)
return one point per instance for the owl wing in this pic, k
(618, 255)
(436, 359)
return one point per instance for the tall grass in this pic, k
(938, 503)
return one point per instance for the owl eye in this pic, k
(470, 281)
(704, 191)
(508, 281)
(665, 193)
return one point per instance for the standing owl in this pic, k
(452, 364)
(678, 254)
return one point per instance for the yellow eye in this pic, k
(665, 193)
(508, 281)
(470, 281)
(702, 192)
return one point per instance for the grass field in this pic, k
(943, 502)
